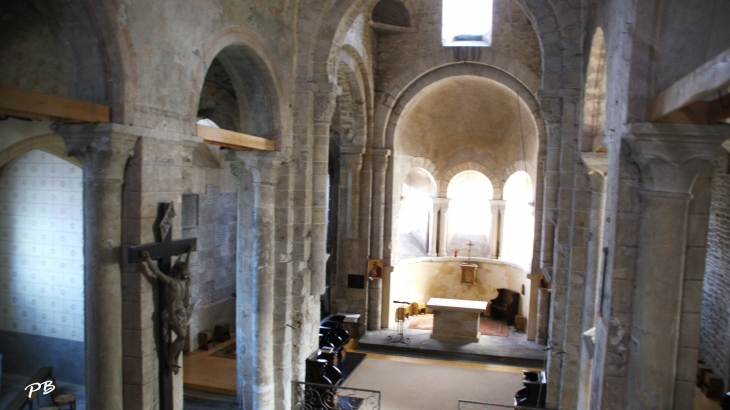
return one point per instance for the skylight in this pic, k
(466, 23)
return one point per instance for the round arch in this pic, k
(457, 70)
(321, 46)
(50, 143)
(255, 79)
(352, 105)
(449, 175)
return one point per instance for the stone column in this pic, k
(443, 232)
(375, 287)
(324, 106)
(255, 277)
(496, 241)
(350, 166)
(432, 229)
(670, 157)
(494, 204)
(597, 166)
(103, 155)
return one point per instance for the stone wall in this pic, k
(398, 52)
(715, 324)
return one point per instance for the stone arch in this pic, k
(461, 69)
(62, 44)
(419, 175)
(352, 102)
(517, 166)
(327, 37)
(446, 177)
(391, 12)
(594, 96)
(255, 79)
(50, 143)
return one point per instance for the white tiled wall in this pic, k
(41, 247)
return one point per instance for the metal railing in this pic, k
(475, 405)
(312, 396)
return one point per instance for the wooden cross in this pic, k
(162, 252)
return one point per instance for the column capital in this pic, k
(351, 160)
(595, 162)
(441, 204)
(102, 152)
(671, 156)
(380, 159)
(597, 166)
(263, 165)
(325, 101)
(497, 205)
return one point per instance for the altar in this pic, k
(456, 319)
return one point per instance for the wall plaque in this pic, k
(356, 281)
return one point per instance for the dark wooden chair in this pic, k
(505, 306)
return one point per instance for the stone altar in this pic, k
(456, 319)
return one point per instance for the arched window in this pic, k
(470, 216)
(519, 219)
(466, 23)
(418, 191)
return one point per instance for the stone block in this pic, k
(697, 230)
(692, 296)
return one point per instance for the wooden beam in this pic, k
(28, 104)
(235, 140)
(712, 76)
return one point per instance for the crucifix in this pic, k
(174, 294)
(469, 245)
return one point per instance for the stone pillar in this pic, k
(494, 231)
(670, 157)
(375, 287)
(496, 241)
(597, 165)
(324, 106)
(255, 276)
(103, 156)
(350, 166)
(443, 231)
(432, 229)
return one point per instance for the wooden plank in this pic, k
(235, 140)
(710, 77)
(160, 249)
(699, 112)
(29, 104)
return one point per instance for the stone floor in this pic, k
(512, 350)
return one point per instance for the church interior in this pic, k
(238, 203)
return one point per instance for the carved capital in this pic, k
(597, 166)
(441, 204)
(324, 106)
(103, 153)
(671, 156)
(351, 158)
(380, 159)
(263, 165)
(497, 205)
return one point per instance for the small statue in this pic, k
(178, 308)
